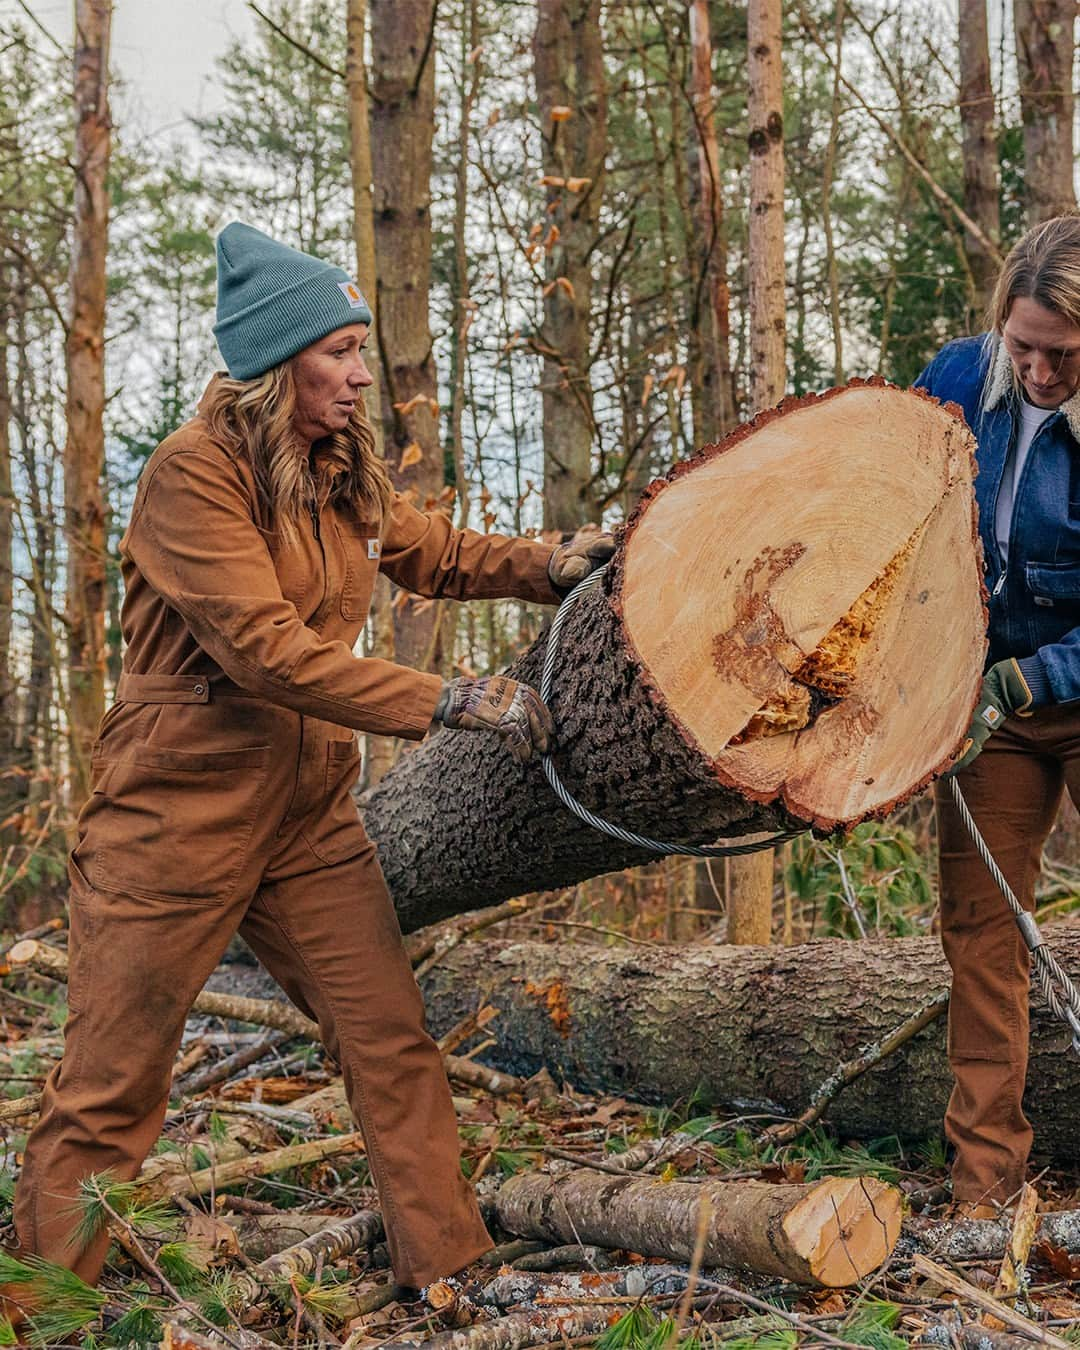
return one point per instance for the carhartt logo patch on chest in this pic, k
(351, 291)
(373, 549)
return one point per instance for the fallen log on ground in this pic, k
(754, 658)
(345, 1237)
(832, 1232)
(763, 1026)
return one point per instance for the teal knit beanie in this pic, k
(272, 300)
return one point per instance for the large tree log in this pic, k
(747, 1025)
(832, 1232)
(755, 658)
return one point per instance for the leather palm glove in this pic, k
(1005, 693)
(495, 703)
(572, 562)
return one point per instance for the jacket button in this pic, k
(198, 688)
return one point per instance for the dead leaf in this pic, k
(566, 284)
(211, 1237)
(1058, 1259)
(646, 388)
(576, 184)
(561, 112)
(412, 454)
(414, 402)
(550, 180)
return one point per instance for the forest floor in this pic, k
(266, 1157)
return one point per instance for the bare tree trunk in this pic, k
(402, 114)
(718, 398)
(7, 682)
(84, 454)
(571, 92)
(379, 750)
(1044, 59)
(750, 879)
(981, 177)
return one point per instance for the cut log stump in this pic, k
(832, 1232)
(756, 658)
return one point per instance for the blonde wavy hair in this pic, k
(1044, 265)
(254, 418)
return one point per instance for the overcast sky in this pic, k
(162, 50)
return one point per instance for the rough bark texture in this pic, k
(460, 825)
(572, 97)
(84, 453)
(402, 127)
(747, 1025)
(1044, 60)
(976, 104)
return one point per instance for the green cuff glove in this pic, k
(1005, 693)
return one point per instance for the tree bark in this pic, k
(378, 750)
(750, 879)
(751, 658)
(981, 176)
(402, 129)
(718, 394)
(831, 1232)
(84, 453)
(572, 97)
(752, 1028)
(1044, 59)
(7, 539)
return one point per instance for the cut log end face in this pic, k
(806, 600)
(844, 1228)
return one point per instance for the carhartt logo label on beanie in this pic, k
(274, 300)
(351, 292)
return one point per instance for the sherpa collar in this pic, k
(999, 386)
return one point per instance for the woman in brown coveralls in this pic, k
(221, 775)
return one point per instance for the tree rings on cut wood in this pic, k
(791, 633)
(805, 600)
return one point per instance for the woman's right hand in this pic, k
(495, 703)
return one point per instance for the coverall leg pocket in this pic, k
(177, 824)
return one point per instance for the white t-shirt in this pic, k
(1031, 419)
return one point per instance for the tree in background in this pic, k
(572, 97)
(84, 453)
(1045, 53)
(980, 150)
(402, 112)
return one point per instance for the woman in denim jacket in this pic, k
(1018, 388)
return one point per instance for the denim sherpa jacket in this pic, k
(1035, 601)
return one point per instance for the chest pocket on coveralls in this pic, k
(363, 549)
(176, 824)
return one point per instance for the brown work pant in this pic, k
(1013, 789)
(329, 936)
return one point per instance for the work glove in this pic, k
(1004, 693)
(572, 562)
(497, 704)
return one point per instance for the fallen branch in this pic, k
(362, 1230)
(847, 1073)
(259, 1165)
(832, 1233)
(990, 1237)
(1012, 1273)
(19, 1107)
(556, 1325)
(955, 1284)
(224, 1068)
(644, 1281)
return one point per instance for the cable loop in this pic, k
(571, 803)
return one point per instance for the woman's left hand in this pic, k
(572, 562)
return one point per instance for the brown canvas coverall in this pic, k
(220, 801)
